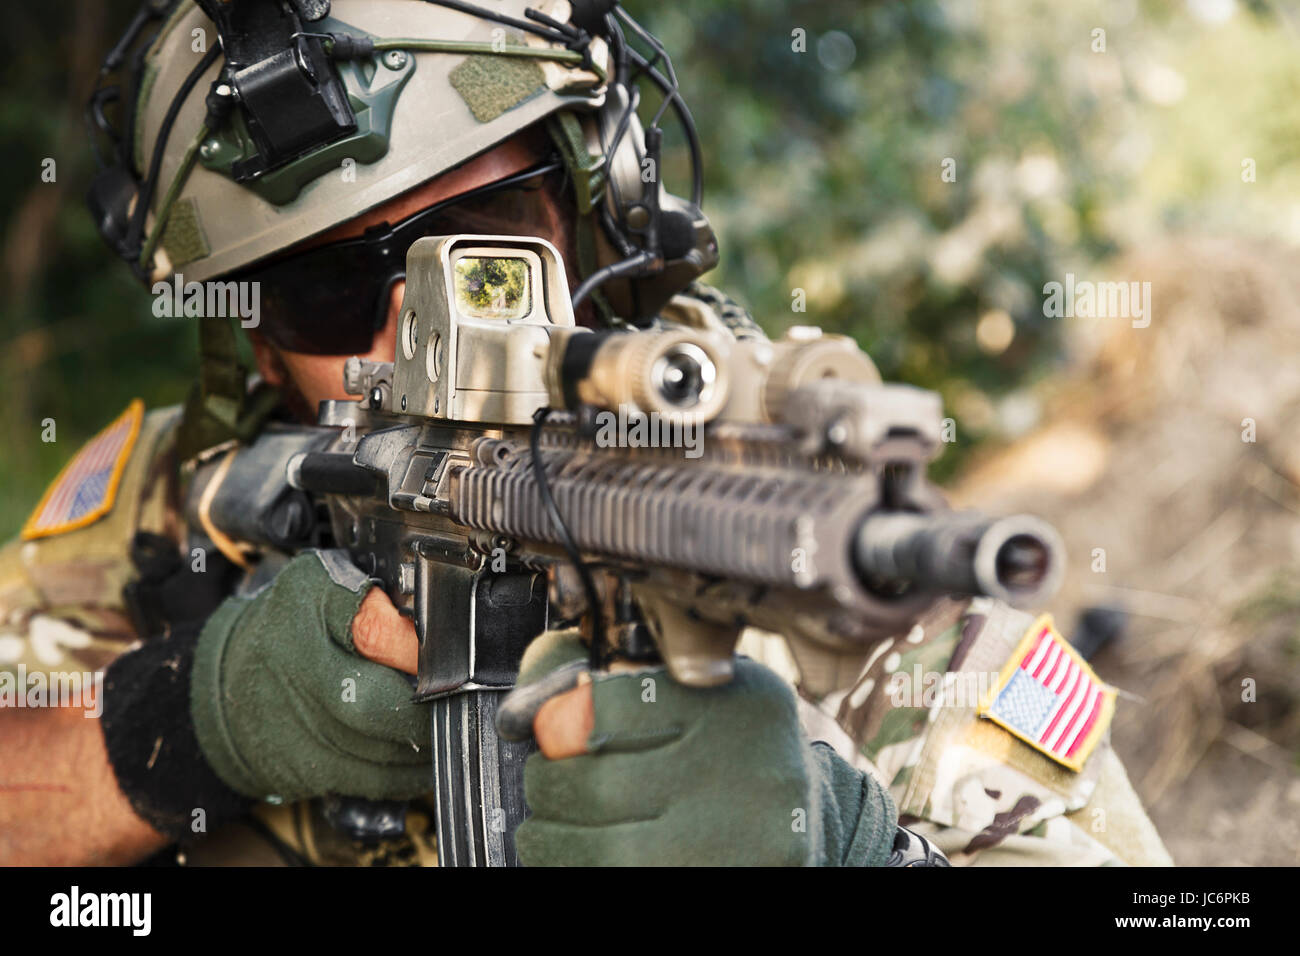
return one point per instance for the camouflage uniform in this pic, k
(62, 611)
(979, 793)
(61, 603)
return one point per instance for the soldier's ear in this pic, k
(395, 294)
(269, 363)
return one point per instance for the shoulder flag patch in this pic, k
(87, 485)
(1049, 697)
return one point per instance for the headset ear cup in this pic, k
(621, 130)
(685, 238)
(112, 193)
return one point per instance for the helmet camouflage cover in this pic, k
(418, 113)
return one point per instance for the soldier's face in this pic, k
(310, 379)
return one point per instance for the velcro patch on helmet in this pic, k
(1049, 697)
(491, 85)
(85, 489)
(184, 240)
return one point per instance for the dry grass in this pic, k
(1142, 455)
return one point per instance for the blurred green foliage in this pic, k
(920, 170)
(827, 173)
(79, 337)
(914, 172)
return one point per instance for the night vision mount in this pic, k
(293, 98)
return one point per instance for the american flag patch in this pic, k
(87, 485)
(1049, 697)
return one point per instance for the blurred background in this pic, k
(916, 172)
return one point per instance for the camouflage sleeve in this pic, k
(982, 794)
(62, 612)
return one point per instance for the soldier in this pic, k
(322, 150)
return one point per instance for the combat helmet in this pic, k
(239, 128)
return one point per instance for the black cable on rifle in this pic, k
(566, 539)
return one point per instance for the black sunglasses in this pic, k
(332, 299)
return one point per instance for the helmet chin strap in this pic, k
(220, 408)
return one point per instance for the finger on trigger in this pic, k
(381, 634)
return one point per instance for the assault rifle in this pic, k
(666, 488)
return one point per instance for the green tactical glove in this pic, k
(678, 776)
(282, 704)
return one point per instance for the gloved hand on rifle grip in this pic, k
(637, 769)
(284, 693)
(284, 705)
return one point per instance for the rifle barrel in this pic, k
(1017, 559)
